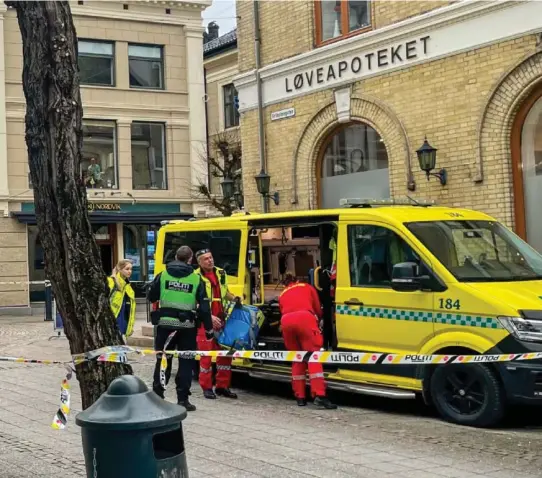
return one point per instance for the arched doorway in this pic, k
(353, 163)
(526, 149)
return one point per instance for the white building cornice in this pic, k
(145, 17)
(446, 31)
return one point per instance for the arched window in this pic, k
(354, 149)
(354, 163)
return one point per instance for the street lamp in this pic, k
(427, 157)
(263, 182)
(227, 187)
(238, 197)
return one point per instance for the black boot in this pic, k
(323, 402)
(209, 394)
(225, 392)
(301, 402)
(186, 404)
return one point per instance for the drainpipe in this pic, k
(207, 126)
(261, 137)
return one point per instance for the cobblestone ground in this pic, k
(263, 434)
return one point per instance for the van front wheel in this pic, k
(469, 394)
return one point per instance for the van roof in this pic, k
(392, 213)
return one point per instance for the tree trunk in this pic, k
(54, 140)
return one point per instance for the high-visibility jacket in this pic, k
(178, 299)
(116, 300)
(222, 280)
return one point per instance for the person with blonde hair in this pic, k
(122, 297)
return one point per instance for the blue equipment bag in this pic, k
(243, 323)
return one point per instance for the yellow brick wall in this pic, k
(386, 12)
(443, 99)
(13, 263)
(287, 27)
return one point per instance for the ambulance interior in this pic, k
(305, 252)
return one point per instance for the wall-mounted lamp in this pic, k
(134, 200)
(238, 198)
(99, 192)
(427, 157)
(227, 185)
(263, 182)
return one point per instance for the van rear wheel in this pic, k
(469, 394)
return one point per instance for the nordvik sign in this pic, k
(357, 65)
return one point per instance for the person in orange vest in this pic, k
(216, 285)
(301, 314)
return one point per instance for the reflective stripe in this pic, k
(205, 370)
(299, 377)
(223, 367)
(175, 305)
(316, 375)
(186, 324)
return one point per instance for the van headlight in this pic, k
(528, 330)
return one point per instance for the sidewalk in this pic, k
(262, 434)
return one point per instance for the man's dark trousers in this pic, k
(184, 339)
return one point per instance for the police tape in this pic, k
(60, 419)
(120, 354)
(46, 283)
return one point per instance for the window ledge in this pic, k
(359, 31)
(118, 88)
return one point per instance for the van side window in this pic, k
(225, 246)
(373, 251)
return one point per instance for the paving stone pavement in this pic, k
(263, 434)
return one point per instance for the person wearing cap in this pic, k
(216, 286)
(179, 291)
(301, 315)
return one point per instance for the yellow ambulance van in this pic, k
(394, 276)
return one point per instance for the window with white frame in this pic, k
(149, 156)
(99, 167)
(146, 66)
(96, 61)
(231, 114)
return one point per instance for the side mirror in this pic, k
(406, 278)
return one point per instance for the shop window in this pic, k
(355, 149)
(354, 158)
(36, 265)
(148, 156)
(99, 163)
(146, 65)
(225, 246)
(531, 167)
(96, 63)
(336, 19)
(373, 251)
(139, 247)
(231, 114)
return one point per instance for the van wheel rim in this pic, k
(464, 393)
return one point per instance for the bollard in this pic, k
(48, 302)
(131, 432)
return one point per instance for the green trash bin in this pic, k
(131, 432)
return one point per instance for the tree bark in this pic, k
(54, 140)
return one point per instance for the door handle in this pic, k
(353, 302)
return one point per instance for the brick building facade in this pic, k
(351, 89)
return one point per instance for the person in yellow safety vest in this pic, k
(122, 297)
(216, 286)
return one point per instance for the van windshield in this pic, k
(479, 251)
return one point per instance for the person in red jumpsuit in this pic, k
(301, 313)
(216, 286)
